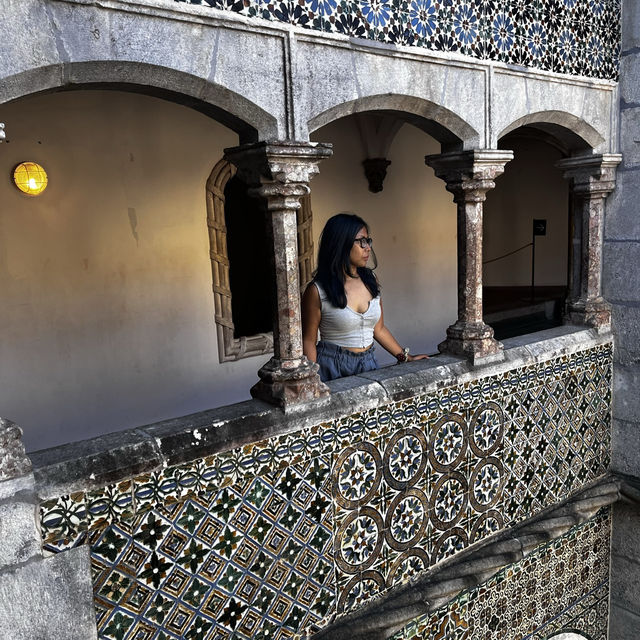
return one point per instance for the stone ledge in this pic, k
(95, 463)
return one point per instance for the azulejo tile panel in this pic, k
(281, 535)
(578, 37)
(248, 561)
(561, 586)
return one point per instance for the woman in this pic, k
(343, 301)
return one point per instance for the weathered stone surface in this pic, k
(626, 399)
(622, 221)
(620, 283)
(280, 173)
(18, 532)
(49, 598)
(626, 329)
(629, 74)
(630, 26)
(520, 100)
(13, 459)
(623, 624)
(94, 463)
(592, 180)
(625, 585)
(424, 88)
(625, 444)
(21, 484)
(630, 123)
(468, 176)
(626, 523)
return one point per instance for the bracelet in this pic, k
(403, 356)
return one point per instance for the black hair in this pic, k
(336, 242)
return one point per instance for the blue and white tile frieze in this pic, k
(577, 37)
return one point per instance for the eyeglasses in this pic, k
(364, 242)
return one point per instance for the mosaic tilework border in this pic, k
(403, 487)
(577, 37)
(561, 586)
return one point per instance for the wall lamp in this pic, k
(30, 178)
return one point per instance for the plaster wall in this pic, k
(412, 221)
(108, 316)
(621, 285)
(531, 187)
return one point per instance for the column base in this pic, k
(474, 341)
(594, 313)
(289, 386)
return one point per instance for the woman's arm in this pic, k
(311, 314)
(385, 338)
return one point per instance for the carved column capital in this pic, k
(279, 172)
(13, 459)
(468, 176)
(591, 175)
(278, 162)
(592, 179)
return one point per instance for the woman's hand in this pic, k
(419, 356)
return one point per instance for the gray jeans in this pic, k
(337, 362)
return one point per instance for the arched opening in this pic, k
(568, 635)
(528, 249)
(412, 219)
(242, 271)
(106, 278)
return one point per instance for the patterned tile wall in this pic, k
(562, 586)
(577, 37)
(279, 536)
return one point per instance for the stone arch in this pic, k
(573, 133)
(568, 635)
(228, 107)
(444, 125)
(230, 347)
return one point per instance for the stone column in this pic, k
(280, 173)
(41, 597)
(592, 180)
(468, 176)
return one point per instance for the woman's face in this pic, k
(359, 256)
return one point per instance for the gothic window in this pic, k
(243, 280)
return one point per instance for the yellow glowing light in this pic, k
(30, 178)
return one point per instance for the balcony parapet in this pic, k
(575, 38)
(90, 464)
(345, 498)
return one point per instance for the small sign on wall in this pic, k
(539, 227)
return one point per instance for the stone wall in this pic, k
(622, 288)
(281, 535)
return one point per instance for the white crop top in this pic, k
(346, 327)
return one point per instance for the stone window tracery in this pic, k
(230, 346)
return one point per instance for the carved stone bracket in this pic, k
(468, 176)
(13, 459)
(375, 170)
(592, 179)
(280, 173)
